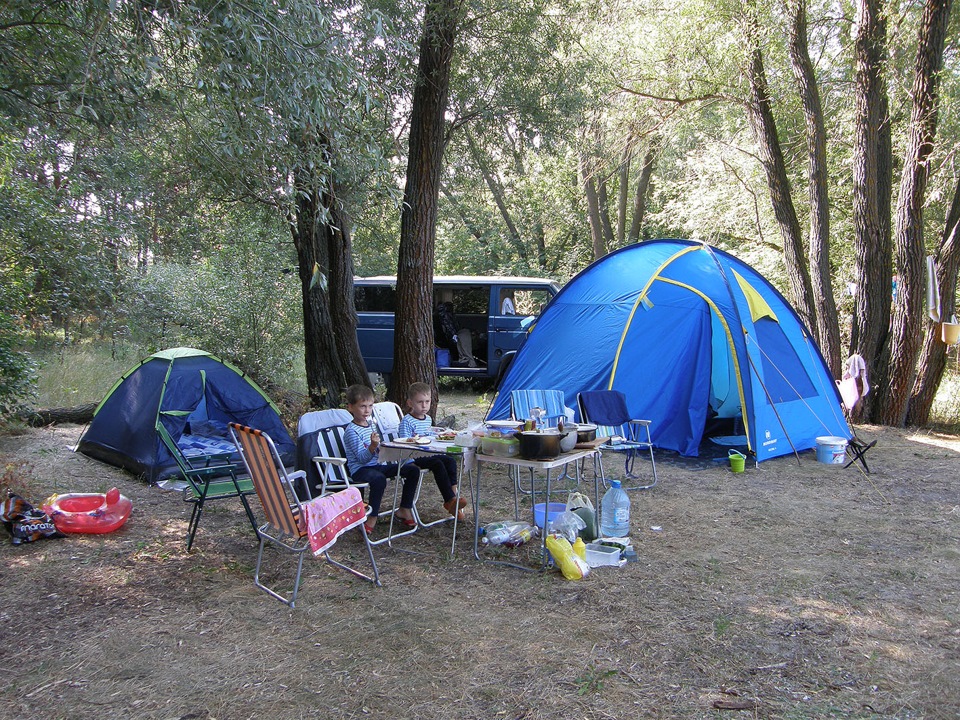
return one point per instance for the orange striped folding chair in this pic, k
(286, 526)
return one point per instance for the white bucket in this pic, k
(831, 450)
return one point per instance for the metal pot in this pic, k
(539, 444)
(568, 437)
(586, 433)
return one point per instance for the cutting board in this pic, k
(592, 444)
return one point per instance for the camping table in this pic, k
(574, 456)
(399, 452)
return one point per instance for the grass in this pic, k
(79, 374)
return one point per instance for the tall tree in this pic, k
(906, 328)
(413, 334)
(933, 356)
(872, 181)
(827, 328)
(760, 112)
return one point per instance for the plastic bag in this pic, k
(567, 524)
(580, 504)
(25, 522)
(572, 567)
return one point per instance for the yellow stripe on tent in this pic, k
(642, 298)
(733, 352)
(758, 306)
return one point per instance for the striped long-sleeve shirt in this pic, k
(411, 426)
(356, 443)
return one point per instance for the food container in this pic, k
(539, 444)
(599, 555)
(504, 447)
(586, 433)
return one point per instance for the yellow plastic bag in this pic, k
(572, 567)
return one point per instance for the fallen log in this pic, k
(78, 414)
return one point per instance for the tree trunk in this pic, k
(933, 356)
(872, 181)
(640, 196)
(593, 208)
(413, 336)
(323, 368)
(764, 126)
(828, 328)
(604, 206)
(342, 310)
(78, 414)
(906, 328)
(499, 198)
(623, 190)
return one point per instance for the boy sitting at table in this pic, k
(362, 445)
(444, 468)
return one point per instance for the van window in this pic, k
(530, 302)
(375, 298)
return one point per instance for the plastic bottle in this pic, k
(521, 535)
(499, 533)
(615, 512)
(579, 548)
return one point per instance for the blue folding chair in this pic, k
(607, 409)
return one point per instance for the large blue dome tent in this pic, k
(193, 394)
(688, 333)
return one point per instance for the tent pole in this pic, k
(772, 405)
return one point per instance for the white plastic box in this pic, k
(600, 555)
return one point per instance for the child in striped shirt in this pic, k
(362, 445)
(444, 468)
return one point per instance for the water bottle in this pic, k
(521, 535)
(500, 532)
(615, 512)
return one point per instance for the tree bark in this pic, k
(906, 328)
(323, 368)
(342, 310)
(872, 181)
(413, 329)
(603, 202)
(760, 112)
(828, 328)
(593, 208)
(933, 356)
(78, 414)
(640, 196)
(499, 198)
(623, 191)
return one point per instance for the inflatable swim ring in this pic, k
(92, 513)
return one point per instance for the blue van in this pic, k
(478, 321)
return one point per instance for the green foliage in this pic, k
(239, 303)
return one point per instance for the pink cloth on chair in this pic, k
(330, 516)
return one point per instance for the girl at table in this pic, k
(444, 468)
(362, 446)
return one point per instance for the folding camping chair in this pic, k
(323, 430)
(552, 411)
(285, 526)
(852, 387)
(607, 409)
(207, 482)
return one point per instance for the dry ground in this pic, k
(795, 590)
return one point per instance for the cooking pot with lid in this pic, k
(586, 433)
(539, 444)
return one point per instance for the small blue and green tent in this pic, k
(688, 333)
(178, 388)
